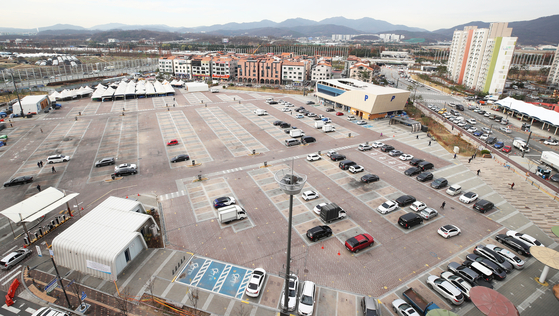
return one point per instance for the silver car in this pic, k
(445, 289)
(516, 262)
(493, 257)
(457, 281)
(13, 258)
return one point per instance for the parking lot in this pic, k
(220, 134)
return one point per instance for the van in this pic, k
(409, 220)
(483, 206)
(425, 165)
(345, 164)
(454, 190)
(292, 142)
(268, 100)
(214, 90)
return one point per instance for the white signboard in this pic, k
(98, 266)
(39, 251)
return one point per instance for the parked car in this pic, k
(527, 239)
(483, 206)
(405, 200)
(394, 153)
(417, 206)
(516, 262)
(377, 144)
(387, 207)
(448, 231)
(425, 176)
(179, 158)
(359, 242)
(368, 178)
(13, 258)
(370, 306)
(105, 162)
(454, 189)
(307, 299)
(339, 114)
(492, 256)
(18, 180)
(439, 183)
(402, 308)
(256, 282)
(309, 195)
(468, 197)
(293, 290)
(412, 171)
(313, 157)
(57, 158)
(126, 165)
(428, 213)
(172, 142)
(405, 157)
(319, 232)
(125, 171)
(458, 282)
(356, 169)
(445, 289)
(386, 148)
(497, 272)
(224, 201)
(499, 145)
(337, 157)
(364, 146)
(516, 244)
(468, 274)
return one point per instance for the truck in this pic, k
(260, 112)
(318, 124)
(231, 213)
(521, 145)
(550, 158)
(109, 68)
(328, 128)
(332, 212)
(214, 90)
(419, 302)
(296, 133)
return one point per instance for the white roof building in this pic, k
(104, 241)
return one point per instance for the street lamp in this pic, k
(11, 72)
(290, 183)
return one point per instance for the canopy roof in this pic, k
(38, 205)
(534, 111)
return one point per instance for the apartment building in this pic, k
(480, 58)
(321, 71)
(183, 67)
(223, 68)
(553, 77)
(294, 71)
(269, 70)
(166, 64)
(247, 70)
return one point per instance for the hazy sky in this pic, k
(427, 14)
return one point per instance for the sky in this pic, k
(426, 14)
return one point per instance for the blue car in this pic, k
(477, 133)
(3, 114)
(224, 201)
(499, 145)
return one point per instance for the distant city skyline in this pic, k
(430, 15)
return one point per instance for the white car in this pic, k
(292, 295)
(377, 144)
(299, 116)
(454, 189)
(487, 130)
(462, 124)
(484, 136)
(468, 197)
(472, 129)
(428, 213)
(445, 289)
(505, 129)
(527, 239)
(361, 123)
(402, 308)
(307, 299)
(405, 157)
(472, 121)
(331, 152)
(289, 105)
(458, 282)
(319, 207)
(516, 262)
(448, 231)
(356, 169)
(417, 206)
(552, 142)
(286, 110)
(364, 146)
(313, 157)
(57, 158)
(256, 282)
(387, 207)
(126, 165)
(309, 195)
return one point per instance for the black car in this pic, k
(416, 161)
(125, 171)
(308, 139)
(337, 157)
(498, 272)
(516, 244)
(439, 183)
(285, 125)
(319, 232)
(483, 206)
(310, 102)
(105, 162)
(491, 140)
(425, 176)
(387, 148)
(405, 200)
(330, 110)
(412, 171)
(19, 180)
(468, 274)
(182, 157)
(276, 123)
(555, 177)
(368, 178)
(482, 112)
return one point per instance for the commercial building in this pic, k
(166, 64)
(362, 99)
(106, 240)
(294, 71)
(269, 70)
(480, 58)
(247, 70)
(223, 68)
(553, 77)
(321, 71)
(362, 71)
(183, 67)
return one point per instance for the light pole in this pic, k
(290, 183)
(15, 87)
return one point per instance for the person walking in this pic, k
(429, 143)
(380, 134)
(39, 164)
(53, 170)
(416, 136)
(442, 205)
(469, 160)
(41, 130)
(454, 156)
(478, 171)
(39, 187)
(512, 186)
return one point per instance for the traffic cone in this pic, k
(338, 253)
(127, 196)
(138, 194)
(322, 247)
(82, 208)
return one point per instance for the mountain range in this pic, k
(544, 30)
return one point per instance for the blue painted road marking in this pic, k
(211, 276)
(233, 281)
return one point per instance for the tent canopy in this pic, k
(539, 113)
(38, 205)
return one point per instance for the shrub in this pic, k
(485, 151)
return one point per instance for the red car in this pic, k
(339, 113)
(355, 244)
(172, 142)
(507, 149)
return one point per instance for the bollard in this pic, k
(254, 151)
(200, 177)
(239, 101)
(349, 135)
(319, 153)
(193, 162)
(122, 113)
(123, 109)
(79, 113)
(265, 164)
(76, 118)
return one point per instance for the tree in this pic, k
(441, 70)
(413, 89)
(364, 75)
(123, 301)
(513, 70)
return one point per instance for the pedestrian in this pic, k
(416, 136)
(454, 157)
(39, 187)
(478, 171)
(53, 170)
(11, 125)
(469, 160)
(475, 155)
(512, 186)
(380, 134)
(41, 130)
(429, 143)
(442, 205)
(39, 164)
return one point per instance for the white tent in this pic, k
(196, 86)
(108, 94)
(159, 89)
(150, 90)
(98, 94)
(169, 90)
(52, 96)
(536, 112)
(121, 90)
(130, 90)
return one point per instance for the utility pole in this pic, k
(15, 87)
(526, 147)
(60, 281)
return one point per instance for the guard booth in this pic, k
(413, 124)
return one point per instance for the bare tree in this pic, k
(193, 298)
(123, 301)
(242, 310)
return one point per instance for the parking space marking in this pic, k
(17, 133)
(91, 108)
(175, 125)
(229, 98)
(119, 140)
(163, 102)
(235, 138)
(125, 105)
